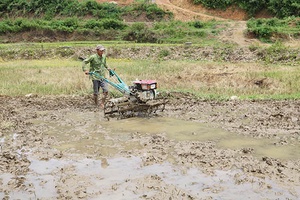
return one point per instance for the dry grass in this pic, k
(204, 79)
(42, 77)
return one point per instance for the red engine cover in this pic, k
(145, 84)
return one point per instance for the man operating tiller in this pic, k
(98, 64)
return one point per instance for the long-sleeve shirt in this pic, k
(97, 64)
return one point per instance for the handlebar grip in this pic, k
(111, 73)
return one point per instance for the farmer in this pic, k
(98, 64)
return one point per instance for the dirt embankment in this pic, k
(158, 53)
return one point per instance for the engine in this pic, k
(144, 90)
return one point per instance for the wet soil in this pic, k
(62, 147)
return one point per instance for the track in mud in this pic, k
(61, 147)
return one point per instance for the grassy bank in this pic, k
(209, 80)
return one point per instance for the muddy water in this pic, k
(92, 166)
(102, 179)
(123, 174)
(181, 130)
(93, 133)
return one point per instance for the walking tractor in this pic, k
(140, 98)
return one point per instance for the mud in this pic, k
(63, 148)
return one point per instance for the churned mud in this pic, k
(63, 148)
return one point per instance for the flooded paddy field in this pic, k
(64, 148)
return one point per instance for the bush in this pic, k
(113, 24)
(253, 6)
(285, 8)
(20, 25)
(6, 26)
(140, 33)
(217, 4)
(107, 10)
(163, 53)
(68, 24)
(197, 24)
(278, 8)
(265, 28)
(25, 24)
(93, 24)
(260, 28)
(152, 11)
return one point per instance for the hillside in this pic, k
(185, 10)
(53, 23)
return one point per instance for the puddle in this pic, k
(122, 178)
(115, 177)
(262, 147)
(85, 131)
(187, 130)
(174, 128)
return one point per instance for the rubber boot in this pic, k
(96, 99)
(103, 100)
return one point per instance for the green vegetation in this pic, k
(111, 29)
(48, 9)
(89, 20)
(277, 8)
(84, 18)
(70, 24)
(66, 8)
(265, 29)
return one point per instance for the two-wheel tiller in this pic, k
(140, 98)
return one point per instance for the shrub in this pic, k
(252, 6)
(139, 32)
(285, 8)
(93, 24)
(68, 24)
(278, 8)
(260, 28)
(113, 24)
(25, 24)
(6, 26)
(265, 28)
(163, 53)
(220, 4)
(107, 10)
(197, 24)
(152, 11)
